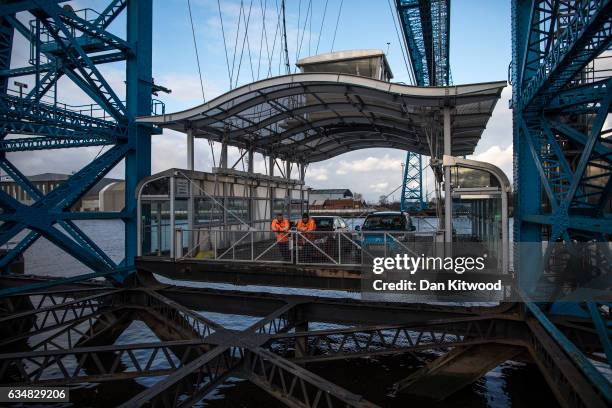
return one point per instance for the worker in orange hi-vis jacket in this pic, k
(280, 225)
(305, 227)
(306, 224)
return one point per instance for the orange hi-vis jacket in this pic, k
(281, 229)
(305, 227)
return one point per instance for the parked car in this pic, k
(330, 223)
(395, 228)
(330, 230)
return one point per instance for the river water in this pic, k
(512, 384)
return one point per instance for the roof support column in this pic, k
(223, 159)
(271, 165)
(190, 203)
(448, 199)
(251, 157)
(302, 167)
(190, 154)
(288, 198)
(252, 189)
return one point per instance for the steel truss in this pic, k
(412, 188)
(72, 44)
(356, 342)
(561, 99)
(426, 28)
(57, 314)
(197, 354)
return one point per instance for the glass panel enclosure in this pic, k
(477, 219)
(480, 209)
(155, 227)
(176, 210)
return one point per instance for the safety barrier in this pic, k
(294, 247)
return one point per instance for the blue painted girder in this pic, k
(67, 51)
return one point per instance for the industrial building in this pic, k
(318, 196)
(47, 182)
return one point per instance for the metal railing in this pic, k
(308, 248)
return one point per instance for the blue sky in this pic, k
(480, 51)
(480, 35)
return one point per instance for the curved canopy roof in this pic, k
(312, 117)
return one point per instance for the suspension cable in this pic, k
(286, 50)
(263, 33)
(297, 37)
(245, 41)
(321, 29)
(299, 49)
(337, 22)
(410, 77)
(236, 43)
(224, 43)
(195, 46)
(271, 54)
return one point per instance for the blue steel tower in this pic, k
(412, 186)
(73, 44)
(562, 90)
(426, 28)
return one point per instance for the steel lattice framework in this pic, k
(426, 28)
(561, 98)
(77, 326)
(412, 188)
(73, 44)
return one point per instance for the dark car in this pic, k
(330, 223)
(388, 221)
(394, 226)
(331, 236)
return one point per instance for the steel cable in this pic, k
(195, 45)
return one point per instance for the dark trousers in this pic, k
(284, 250)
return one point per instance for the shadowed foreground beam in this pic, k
(293, 385)
(192, 381)
(363, 341)
(456, 370)
(95, 364)
(54, 316)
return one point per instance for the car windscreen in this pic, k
(324, 223)
(385, 222)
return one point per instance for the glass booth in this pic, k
(179, 207)
(480, 207)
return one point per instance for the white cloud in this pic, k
(500, 157)
(381, 187)
(317, 173)
(369, 164)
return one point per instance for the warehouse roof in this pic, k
(331, 191)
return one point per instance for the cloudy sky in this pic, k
(480, 51)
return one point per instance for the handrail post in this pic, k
(178, 251)
(290, 246)
(215, 244)
(385, 243)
